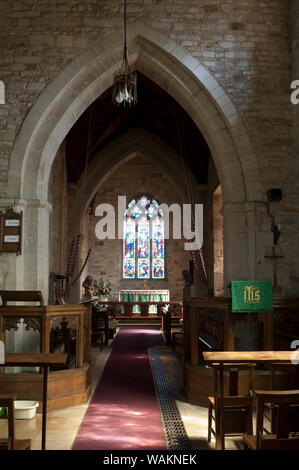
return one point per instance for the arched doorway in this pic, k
(136, 160)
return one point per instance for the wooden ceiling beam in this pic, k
(155, 110)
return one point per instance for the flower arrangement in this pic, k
(102, 288)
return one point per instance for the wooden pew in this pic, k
(286, 402)
(283, 376)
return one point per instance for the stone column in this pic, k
(75, 228)
(294, 23)
(247, 234)
(30, 270)
(200, 288)
(235, 243)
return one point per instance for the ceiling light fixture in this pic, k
(125, 81)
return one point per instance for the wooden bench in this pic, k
(21, 296)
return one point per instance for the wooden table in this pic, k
(221, 357)
(44, 360)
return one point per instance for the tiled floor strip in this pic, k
(174, 429)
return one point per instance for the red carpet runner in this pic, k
(124, 412)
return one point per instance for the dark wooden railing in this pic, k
(209, 325)
(122, 309)
(48, 319)
(67, 328)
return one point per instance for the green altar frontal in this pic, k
(144, 296)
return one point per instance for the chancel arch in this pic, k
(86, 78)
(110, 257)
(137, 141)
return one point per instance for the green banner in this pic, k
(252, 296)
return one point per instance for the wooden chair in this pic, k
(100, 326)
(11, 443)
(283, 376)
(286, 403)
(237, 408)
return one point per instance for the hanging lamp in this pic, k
(125, 81)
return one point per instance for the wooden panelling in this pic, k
(66, 386)
(199, 383)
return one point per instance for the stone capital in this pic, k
(22, 204)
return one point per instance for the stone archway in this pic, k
(76, 87)
(134, 143)
(114, 154)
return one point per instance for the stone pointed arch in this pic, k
(85, 79)
(132, 143)
(87, 76)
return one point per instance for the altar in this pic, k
(144, 295)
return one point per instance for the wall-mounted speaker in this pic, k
(274, 194)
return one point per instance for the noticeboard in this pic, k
(11, 232)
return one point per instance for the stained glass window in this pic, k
(143, 249)
(158, 248)
(129, 269)
(143, 244)
(129, 248)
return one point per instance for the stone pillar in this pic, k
(250, 209)
(200, 287)
(30, 270)
(235, 243)
(247, 235)
(294, 22)
(76, 226)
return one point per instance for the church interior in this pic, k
(149, 221)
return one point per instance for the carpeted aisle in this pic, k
(124, 412)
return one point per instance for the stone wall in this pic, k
(135, 177)
(294, 20)
(58, 198)
(213, 232)
(244, 44)
(218, 242)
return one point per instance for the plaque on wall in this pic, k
(12, 223)
(11, 232)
